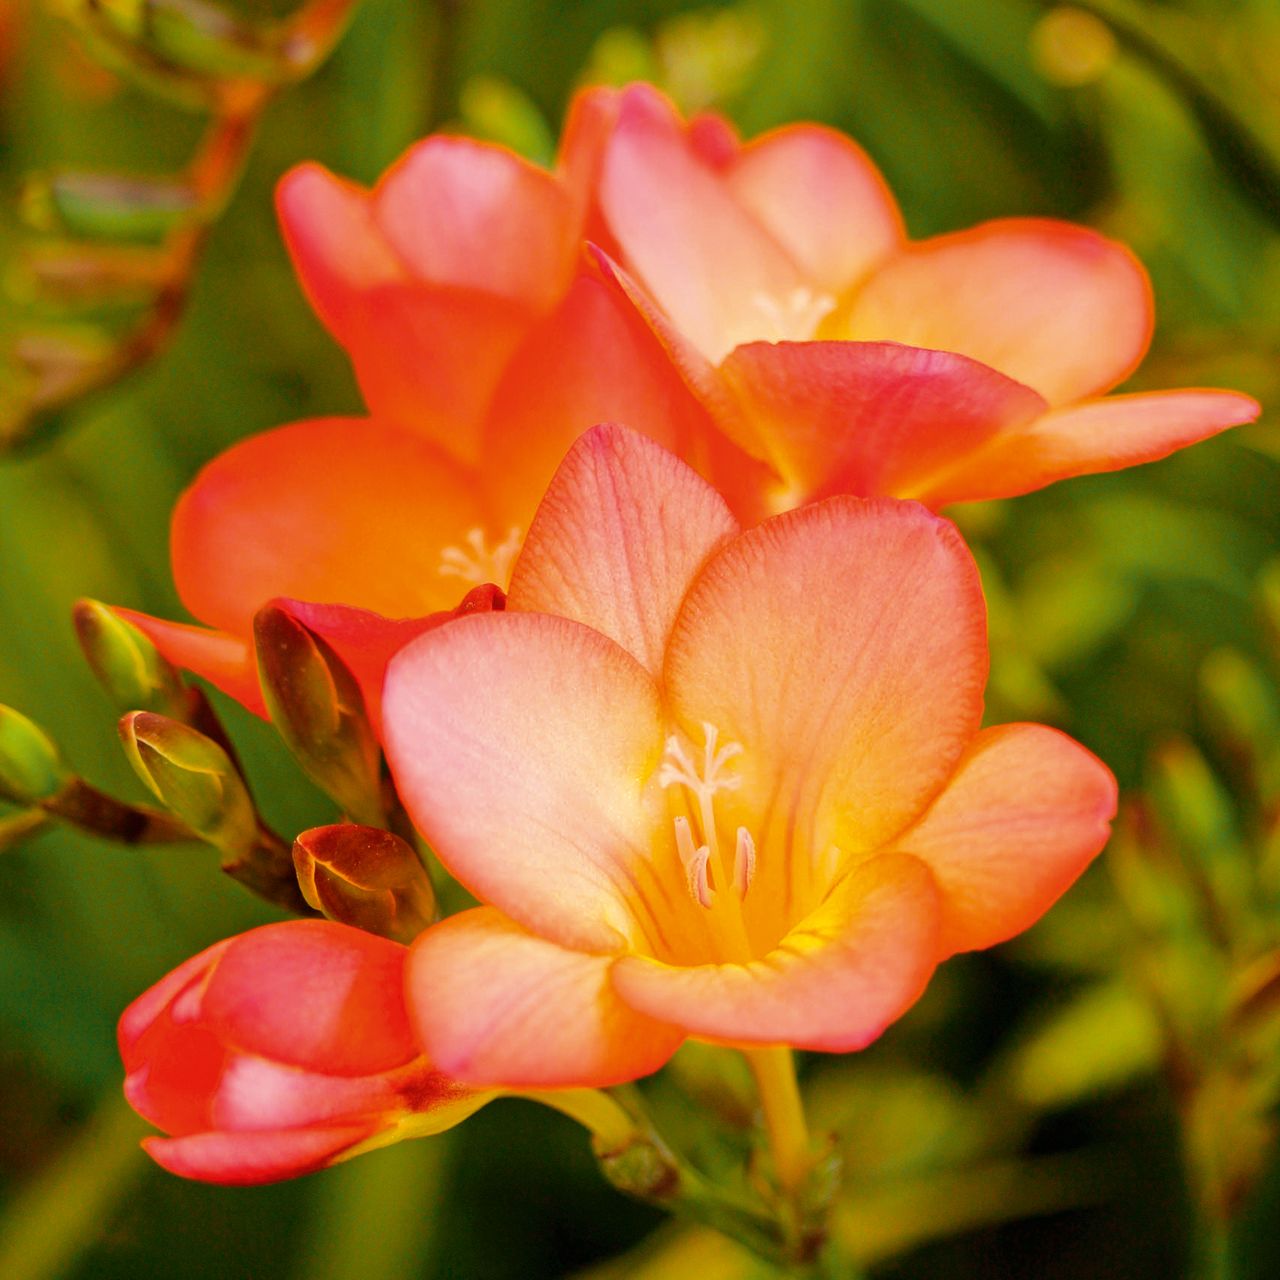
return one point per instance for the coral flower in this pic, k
(280, 1051)
(852, 360)
(712, 783)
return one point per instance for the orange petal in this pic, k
(428, 359)
(476, 216)
(620, 534)
(1027, 810)
(844, 647)
(711, 266)
(1056, 306)
(833, 983)
(227, 662)
(821, 198)
(592, 360)
(337, 247)
(870, 418)
(495, 1005)
(588, 122)
(1099, 435)
(336, 511)
(519, 743)
(249, 1159)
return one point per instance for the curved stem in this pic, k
(775, 1074)
(610, 1125)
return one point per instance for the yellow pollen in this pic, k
(478, 563)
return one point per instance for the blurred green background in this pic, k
(1069, 1106)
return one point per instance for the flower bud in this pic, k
(193, 777)
(365, 877)
(31, 769)
(127, 664)
(318, 709)
(107, 206)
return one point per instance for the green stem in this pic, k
(775, 1074)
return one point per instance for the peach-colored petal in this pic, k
(588, 122)
(870, 418)
(1027, 810)
(497, 1006)
(1056, 306)
(227, 662)
(476, 216)
(593, 359)
(714, 270)
(834, 982)
(337, 247)
(620, 534)
(844, 647)
(249, 1159)
(334, 1001)
(520, 743)
(333, 511)
(821, 198)
(256, 1093)
(1099, 435)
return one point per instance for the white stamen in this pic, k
(744, 862)
(796, 315)
(477, 563)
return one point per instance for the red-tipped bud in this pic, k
(280, 1051)
(365, 877)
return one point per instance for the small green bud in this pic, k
(107, 206)
(318, 709)
(365, 877)
(642, 1168)
(192, 777)
(31, 770)
(127, 664)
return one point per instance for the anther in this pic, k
(744, 862)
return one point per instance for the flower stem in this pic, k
(610, 1126)
(775, 1074)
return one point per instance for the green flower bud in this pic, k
(127, 664)
(192, 777)
(31, 770)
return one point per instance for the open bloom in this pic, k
(852, 360)
(280, 1051)
(725, 784)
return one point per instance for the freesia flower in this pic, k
(280, 1051)
(713, 783)
(828, 354)
(967, 366)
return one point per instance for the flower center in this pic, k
(714, 882)
(476, 562)
(794, 316)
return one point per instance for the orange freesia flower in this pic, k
(852, 360)
(280, 1051)
(715, 783)
(354, 549)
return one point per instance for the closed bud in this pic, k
(195, 36)
(193, 778)
(31, 770)
(318, 709)
(365, 877)
(127, 664)
(107, 206)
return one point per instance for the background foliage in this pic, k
(1057, 1108)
